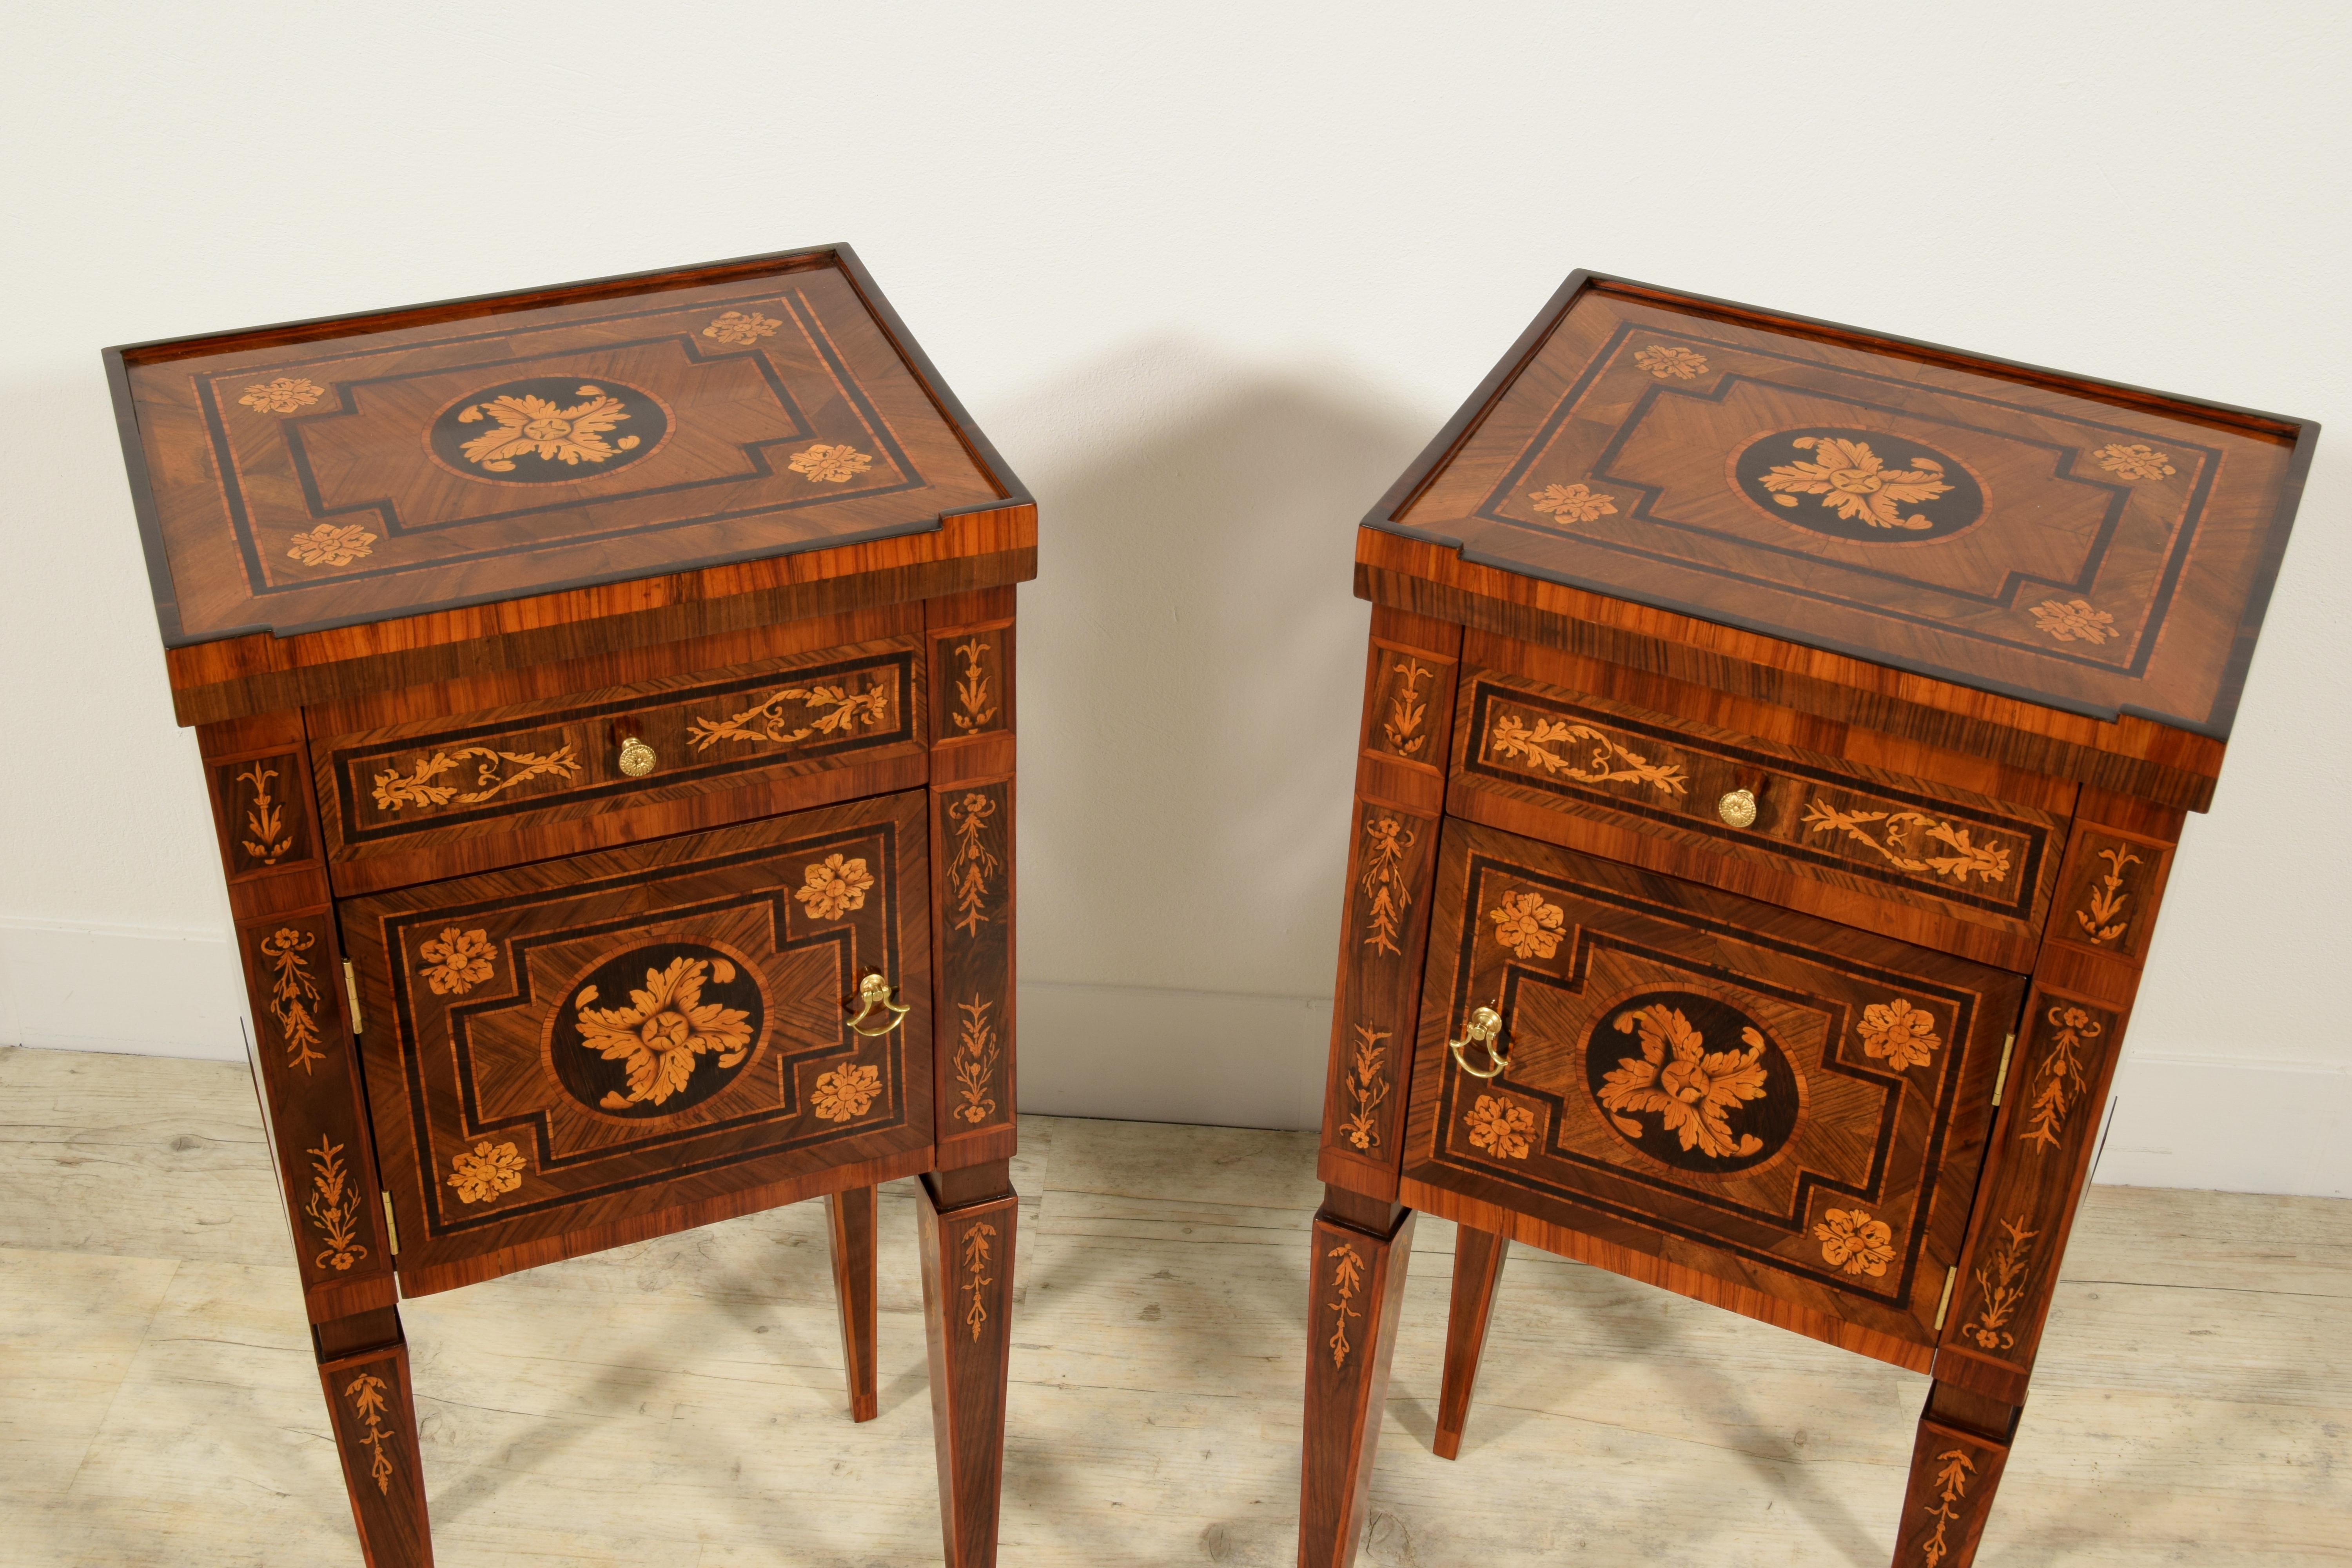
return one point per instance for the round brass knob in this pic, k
(638, 759)
(1738, 808)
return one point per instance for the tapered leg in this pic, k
(363, 1364)
(1357, 1280)
(1477, 1269)
(849, 1224)
(967, 1219)
(1956, 1465)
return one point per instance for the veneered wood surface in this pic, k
(305, 1062)
(472, 790)
(490, 449)
(1400, 782)
(484, 998)
(1964, 872)
(1827, 1131)
(1686, 454)
(2130, 755)
(973, 877)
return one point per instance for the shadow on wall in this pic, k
(1190, 681)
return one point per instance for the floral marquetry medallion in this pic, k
(658, 1029)
(1859, 484)
(632, 1022)
(1670, 1073)
(547, 428)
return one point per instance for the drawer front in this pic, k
(1787, 1105)
(585, 1051)
(1886, 837)
(406, 787)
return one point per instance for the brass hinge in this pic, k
(1951, 1277)
(351, 989)
(391, 1235)
(2000, 1078)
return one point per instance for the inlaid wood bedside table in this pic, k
(1776, 737)
(605, 694)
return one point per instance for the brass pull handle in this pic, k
(1738, 808)
(638, 759)
(1485, 1028)
(873, 992)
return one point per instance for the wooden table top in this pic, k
(341, 472)
(2086, 546)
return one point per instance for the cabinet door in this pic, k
(579, 1052)
(1746, 1104)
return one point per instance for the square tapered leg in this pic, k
(966, 1252)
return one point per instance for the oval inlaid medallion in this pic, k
(1691, 1080)
(658, 1029)
(547, 428)
(1858, 484)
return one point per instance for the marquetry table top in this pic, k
(2087, 546)
(333, 473)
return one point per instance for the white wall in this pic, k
(1209, 275)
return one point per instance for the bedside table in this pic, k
(1776, 741)
(605, 695)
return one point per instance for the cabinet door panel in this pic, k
(1790, 1107)
(578, 1052)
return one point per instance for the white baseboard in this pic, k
(2234, 1124)
(1136, 1053)
(120, 988)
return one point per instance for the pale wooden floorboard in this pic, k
(681, 1403)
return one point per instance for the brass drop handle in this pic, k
(638, 759)
(876, 991)
(1485, 1028)
(1738, 808)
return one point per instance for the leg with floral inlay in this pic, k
(1478, 1269)
(1356, 1277)
(849, 1226)
(967, 1217)
(363, 1365)
(1956, 1465)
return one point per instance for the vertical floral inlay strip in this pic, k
(1367, 1085)
(264, 819)
(367, 1393)
(973, 863)
(975, 1274)
(2058, 1078)
(294, 994)
(2098, 916)
(1407, 710)
(1385, 842)
(972, 688)
(1347, 1279)
(333, 1208)
(2001, 1280)
(975, 1061)
(1952, 1481)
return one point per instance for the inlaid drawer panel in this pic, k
(1790, 1107)
(386, 793)
(612, 1045)
(1756, 817)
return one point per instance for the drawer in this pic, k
(586, 1051)
(411, 801)
(1932, 863)
(1738, 1101)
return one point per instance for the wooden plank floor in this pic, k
(679, 1403)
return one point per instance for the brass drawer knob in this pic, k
(875, 993)
(1738, 808)
(1485, 1026)
(638, 759)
